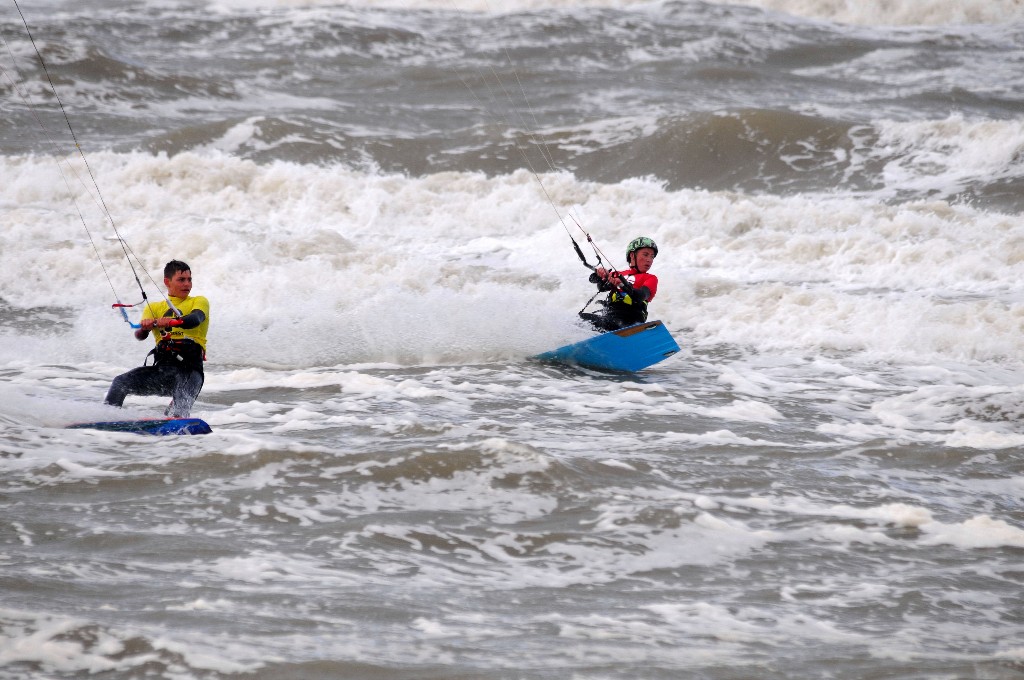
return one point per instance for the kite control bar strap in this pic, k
(582, 257)
(121, 307)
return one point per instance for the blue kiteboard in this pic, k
(157, 426)
(629, 349)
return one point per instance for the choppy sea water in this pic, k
(825, 482)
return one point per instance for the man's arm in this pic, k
(602, 282)
(642, 293)
(192, 319)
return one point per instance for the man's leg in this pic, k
(186, 390)
(144, 380)
(602, 322)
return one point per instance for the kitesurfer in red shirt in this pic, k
(629, 291)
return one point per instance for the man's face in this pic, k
(644, 259)
(179, 285)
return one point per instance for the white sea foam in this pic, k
(978, 532)
(950, 155)
(936, 413)
(308, 266)
(884, 12)
(867, 12)
(64, 645)
(463, 5)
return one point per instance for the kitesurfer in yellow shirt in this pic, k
(180, 334)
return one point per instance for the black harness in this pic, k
(182, 352)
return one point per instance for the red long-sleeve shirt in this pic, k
(648, 281)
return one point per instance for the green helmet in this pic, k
(641, 242)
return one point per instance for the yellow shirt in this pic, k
(156, 310)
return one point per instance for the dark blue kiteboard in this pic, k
(629, 349)
(157, 426)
